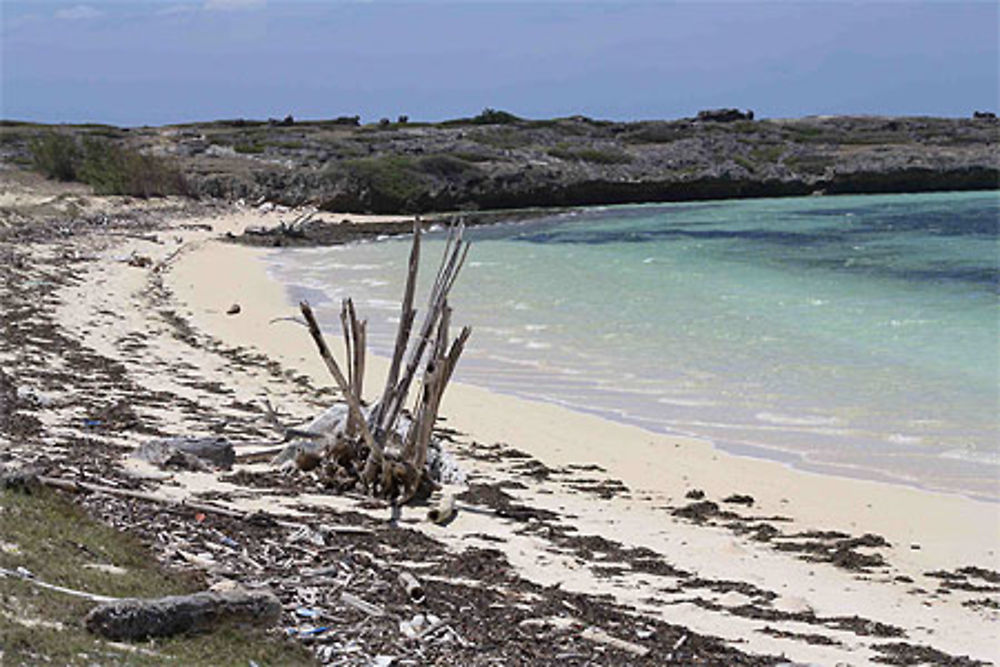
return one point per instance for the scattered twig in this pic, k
(26, 576)
(361, 605)
(599, 636)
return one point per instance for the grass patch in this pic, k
(446, 166)
(809, 134)
(470, 156)
(745, 162)
(769, 153)
(249, 148)
(592, 155)
(656, 133)
(504, 138)
(809, 164)
(60, 544)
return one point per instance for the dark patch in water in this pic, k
(604, 237)
(963, 219)
(885, 232)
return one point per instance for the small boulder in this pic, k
(188, 453)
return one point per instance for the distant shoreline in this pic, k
(496, 161)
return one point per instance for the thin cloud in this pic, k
(78, 13)
(233, 5)
(174, 10)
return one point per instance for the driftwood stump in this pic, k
(377, 446)
(164, 617)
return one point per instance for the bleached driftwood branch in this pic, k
(373, 446)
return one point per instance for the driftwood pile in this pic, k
(379, 447)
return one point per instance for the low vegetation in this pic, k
(59, 544)
(56, 155)
(487, 116)
(107, 166)
(593, 155)
(498, 160)
(392, 179)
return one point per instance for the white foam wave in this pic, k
(901, 439)
(795, 420)
(340, 266)
(687, 402)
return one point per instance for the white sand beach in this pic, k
(770, 560)
(926, 532)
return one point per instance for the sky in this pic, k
(159, 62)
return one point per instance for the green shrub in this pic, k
(115, 170)
(56, 155)
(745, 162)
(487, 116)
(251, 148)
(490, 116)
(111, 169)
(810, 164)
(394, 180)
(594, 155)
(656, 133)
(768, 153)
(446, 166)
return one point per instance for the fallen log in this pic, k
(131, 619)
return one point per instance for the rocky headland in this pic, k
(498, 161)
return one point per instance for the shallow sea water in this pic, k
(853, 335)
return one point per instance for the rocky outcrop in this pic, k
(724, 115)
(497, 160)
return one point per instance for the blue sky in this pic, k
(133, 63)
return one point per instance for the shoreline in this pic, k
(583, 397)
(566, 521)
(955, 531)
(469, 407)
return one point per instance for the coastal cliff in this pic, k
(498, 161)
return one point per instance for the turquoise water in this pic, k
(849, 335)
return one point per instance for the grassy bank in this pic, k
(58, 543)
